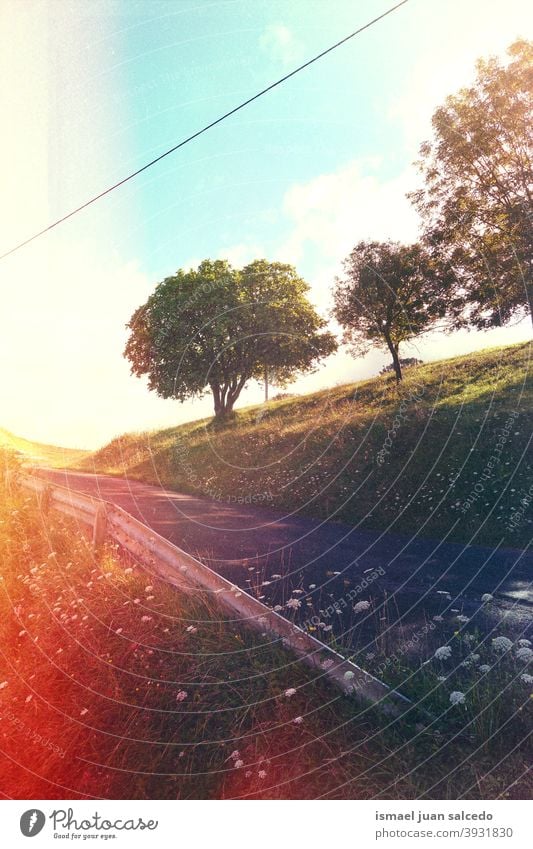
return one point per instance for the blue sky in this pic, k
(93, 90)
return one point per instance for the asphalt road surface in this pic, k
(330, 568)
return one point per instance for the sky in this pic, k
(91, 91)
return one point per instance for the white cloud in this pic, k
(334, 211)
(278, 42)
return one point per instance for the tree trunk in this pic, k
(395, 358)
(266, 383)
(225, 396)
(215, 389)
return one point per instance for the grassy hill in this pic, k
(445, 454)
(39, 453)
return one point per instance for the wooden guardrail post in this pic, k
(99, 527)
(44, 498)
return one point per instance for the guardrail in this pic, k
(107, 520)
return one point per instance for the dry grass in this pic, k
(39, 453)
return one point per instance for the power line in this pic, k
(203, 130)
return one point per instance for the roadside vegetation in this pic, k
(445, 454)
(115, 685)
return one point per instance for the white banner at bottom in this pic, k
(262, 825)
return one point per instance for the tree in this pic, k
(476, 201)
(390, 294)
(215, 328)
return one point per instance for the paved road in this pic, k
(276, 557)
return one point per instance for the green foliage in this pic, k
(390, 293)
(476, 202)
(217, 328)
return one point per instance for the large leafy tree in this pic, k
(390, 293)
(476, 201)
(216, 327)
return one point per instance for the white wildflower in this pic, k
(457, 698)
(3, 685)
(84, 711)
(484, 668)
(438, 618)
(294, 603)
(238, 764)
(470, 660)
(298, 720)
(146, 618)
(360, 606)
(502, 644)
(148, 589)
(525, 643)
(443, 653)
(349, 675)
(191, 629)
(462, 618)
(181, 696)
(441, 678)
(262, 774)
(526, 679)
(524, 654)
(486, 598)
(290, 692)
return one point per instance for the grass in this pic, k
(424, 457)
(40, 453)
(115, 685)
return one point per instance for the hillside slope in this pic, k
(446, 454)
(40, 453)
